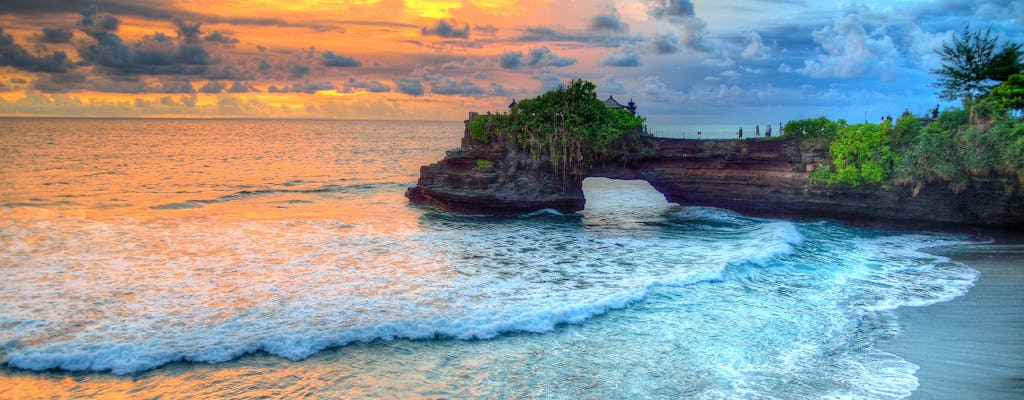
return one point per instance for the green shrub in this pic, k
(484, 164)
(813, 128)
(478, 129)
(860, 155)
(905, 133)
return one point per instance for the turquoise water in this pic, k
(242, 259)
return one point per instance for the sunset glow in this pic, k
(683, 62)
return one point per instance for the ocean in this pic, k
(279, 259)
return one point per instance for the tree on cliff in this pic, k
(569, 126)
(974, 63)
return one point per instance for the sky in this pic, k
(683, 62)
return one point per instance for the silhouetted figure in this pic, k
(739, 133)
(757, 130)
(768, 131)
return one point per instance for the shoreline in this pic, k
(971, 346)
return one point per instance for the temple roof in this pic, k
(611, 103)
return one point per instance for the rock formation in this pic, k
(767, 177)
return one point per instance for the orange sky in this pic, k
(437, 60)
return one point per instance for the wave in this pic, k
(248, 194)
(222, 344)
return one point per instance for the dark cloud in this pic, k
(598, 38)
(54, 35)
(670, 8)
(447, 30)
(93, 22)
(212, 87)
(608, 22)
(165, 11)
(187, 32)
(337, 60)
(298, 70)
(450, 86)
(409, 85)
(157, 54)
(229, 72)
(511, 60)
(307, 87)
(498, 90)
(172, 87)
(219, 37)
(369, 86)
(11, 54)
(538, 57)
(242, 87)
(665, 44)
(59, 83)
(486, 30)
(621, 60)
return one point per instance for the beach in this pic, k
(971, 347)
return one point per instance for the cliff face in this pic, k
(757, 177)
(497, 180)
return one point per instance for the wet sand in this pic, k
(971, 347)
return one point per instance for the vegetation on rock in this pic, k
(569, 126)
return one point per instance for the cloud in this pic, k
(620, 60)
(447, 30)
(409, 85)
(655, 89)
(298, 70)
(599, 38)
(537, 57)
(498, 90)
(11, 54)
(354, 85)
(337, 60)
(450, 86)
(549, 80)
(154, 54)
(670, 8)
(219, 37)
(54, 35)
(681, 13)
(851, 51)
(755, 48)
(242, 87)
(187, 32)
(212, 87)
(306, 87)
(665, 44)
(608, 22)
(612, 85)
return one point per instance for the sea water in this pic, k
(244, 259)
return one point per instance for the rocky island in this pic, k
(496, 172)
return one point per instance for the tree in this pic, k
(973, 62)
(1010, 94)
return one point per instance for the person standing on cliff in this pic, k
(698, 135)
(768, 131)
(739, 133)
(757, 130)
